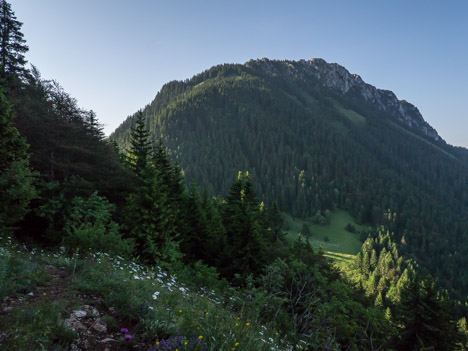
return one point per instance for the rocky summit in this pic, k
(338, 78)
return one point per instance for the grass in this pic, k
(353, 116)
(340, 241)
(158, 308)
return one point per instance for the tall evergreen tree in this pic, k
(150, 218)
(426, 320)
(140, 145)
(12, 44)
(245, 244)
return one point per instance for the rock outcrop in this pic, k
(338, 78)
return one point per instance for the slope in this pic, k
(315, 138)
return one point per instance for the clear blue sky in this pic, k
(115, 55)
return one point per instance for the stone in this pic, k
(79, 313)
(74, 323)
(100, 325)
(106, 340)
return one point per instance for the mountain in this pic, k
(317, 138)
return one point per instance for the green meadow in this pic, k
(340, 241)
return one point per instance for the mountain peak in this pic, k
(337, 78)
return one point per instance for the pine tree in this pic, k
(140, 145)
(276, 222)
(16, 179)
(426, 319)
(245, 246)
(150, 217)
(12, 44)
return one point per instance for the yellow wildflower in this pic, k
(236, 344)
(247, 324)
(200, 337)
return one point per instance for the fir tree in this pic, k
(140, 145)
(276, 222)
(426, 319)
(12, 44)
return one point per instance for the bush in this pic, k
(90, 228)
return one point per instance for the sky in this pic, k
(113, 56)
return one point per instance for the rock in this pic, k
(74, 323)
(31, 294)
(91, 311)
(100, 325)
(79, 313)
(106, 340)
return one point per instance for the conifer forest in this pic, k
(256, 206)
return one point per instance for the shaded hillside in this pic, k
(315, 138)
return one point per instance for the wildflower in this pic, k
(44, 294)
(157, 342)
(186, 343)
(249, 297)
(236, 344)
(128, 337)
(200, 337)
(180, 311)
(237, 324)
(247, 324)
(124, 330)
(206, 313)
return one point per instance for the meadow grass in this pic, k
(339, 239)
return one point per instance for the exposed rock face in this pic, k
(336, 77)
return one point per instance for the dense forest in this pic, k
(91, 206)
(313, 148)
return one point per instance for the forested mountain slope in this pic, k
(316, 137)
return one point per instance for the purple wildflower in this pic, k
(249, 297)
(124, 330)
(128, 337)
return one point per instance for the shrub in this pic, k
(90, 228)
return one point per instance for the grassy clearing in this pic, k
(353, 116)
(339, 239)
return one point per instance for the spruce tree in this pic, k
(140, 145)
(276, 222)
(12, 44)
(245, 245)
(150, 218)
(425, 318)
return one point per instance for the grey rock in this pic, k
(100, 325)
(79, 313)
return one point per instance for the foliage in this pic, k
(309, 156)
(13, 47)
(39, 328)
(89, 228)
(16, 178)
